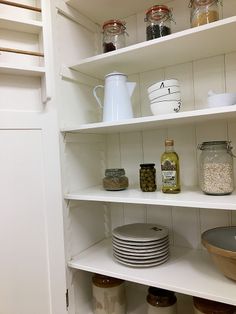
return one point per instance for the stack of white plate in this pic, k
(165, 97)
(140, 244)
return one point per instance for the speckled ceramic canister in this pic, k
(108, 295)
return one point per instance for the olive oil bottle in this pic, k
(170, 169)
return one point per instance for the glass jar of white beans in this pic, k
(216, 167)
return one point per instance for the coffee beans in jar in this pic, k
(147, 177)
(158, 21)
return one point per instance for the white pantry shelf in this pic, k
(21, 25)
(189, 197)
(152, 122)
(188, 271)
(6, 68)
(179, 47)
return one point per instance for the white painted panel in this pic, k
(84, 226)
(135, 98)
(213, 218)
(131, 155)
(117, 215)
(83, 165)
(185, 227)
(208, 75)
(230, 71)
(134, 213)
(185, 147)
(211, 132)
(146, 80)
(113, 156)
(184, 74)
(229, 8)
(24, 265)
(27, 90)
(153, 148)
(16, 12)
(162, 216)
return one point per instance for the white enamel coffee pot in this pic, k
(117, 104)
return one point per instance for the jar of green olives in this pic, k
(147, 177)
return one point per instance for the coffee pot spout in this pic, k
(131, 87)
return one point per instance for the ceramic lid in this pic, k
(115, 73)
(212, 307)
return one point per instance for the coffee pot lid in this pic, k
(115, 73)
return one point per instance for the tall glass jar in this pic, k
(158, 21)
(108, 295)
(147, 177)
(203, 12)
(114, 35)
(216, 167)
(160, 301)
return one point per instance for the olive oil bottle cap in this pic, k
(169, 142)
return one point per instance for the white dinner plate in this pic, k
(143, 256)
(141, 249)
(142, 265)
(138, 245)
(140, 232)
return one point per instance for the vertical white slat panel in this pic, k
(135, 98)
(117, 215)
(134, 213)
(186, 227)
(153, 147)
(208, 75)
(230, 71)
(131, 28)
(233, 219)
(183, 73)
(113, 156)
(131, 155)
(211, 131)
(229, 8)
(181, 15)
(161, 215)
(147, 79)
(141, 27)
(85, 226)
(232, 138)
(185, 146)
(210, 218)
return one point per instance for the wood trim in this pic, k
(19, 5)
(24, 52)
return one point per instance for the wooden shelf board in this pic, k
(188, 271)
(189, 197)
(151, 122)
(20, 25)
(22, 70)
(188, 45)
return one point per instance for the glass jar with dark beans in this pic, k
(158, 19)
(114, 32)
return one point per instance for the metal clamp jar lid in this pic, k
(114, 32)
(158, 19)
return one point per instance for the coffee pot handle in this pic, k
(95, 94)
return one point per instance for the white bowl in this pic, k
(165, 107)
(169, 97)
(162, 84)
(217, 100)
(163, 92)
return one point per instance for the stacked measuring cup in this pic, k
(165, 97)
